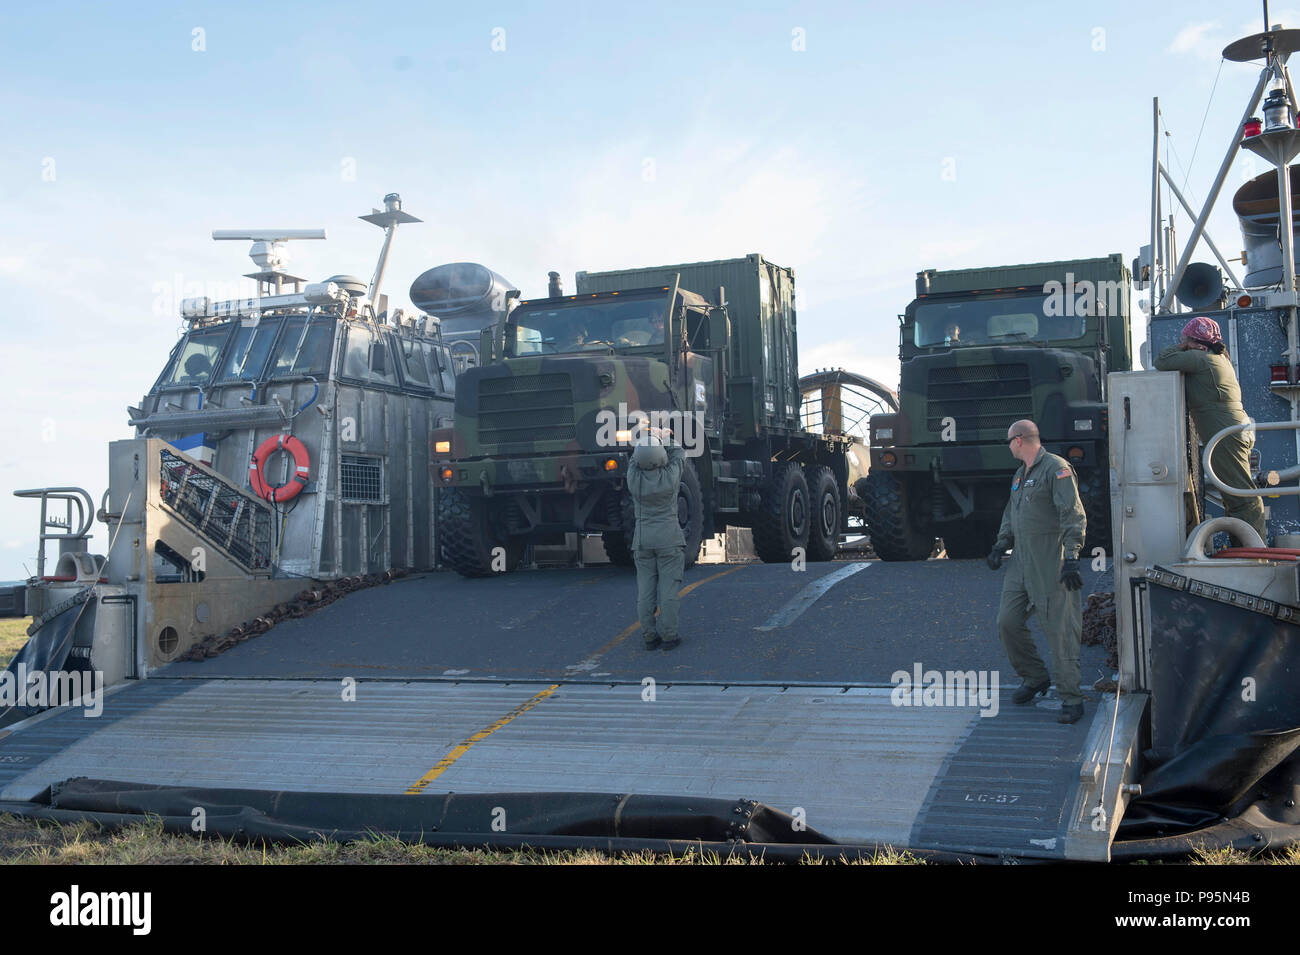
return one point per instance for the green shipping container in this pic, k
(762, 368)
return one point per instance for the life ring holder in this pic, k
(301, 468)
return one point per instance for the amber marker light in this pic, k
(888, 459)
(446, 474)
(611, 465)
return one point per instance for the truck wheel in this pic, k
(781, 523)
(618, 544)
(824, 526)
(1094, 493)
(690, 512)
(895, 533)
(465, 539)
(970, 538)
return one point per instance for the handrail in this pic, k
(70, 495)
(1213, 478)
(1196, 541)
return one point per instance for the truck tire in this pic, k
(618, 544)
(781, 523)
(827, 514)
(690, 517)
(465, 539)
(967, 539)
(895, 534)
(1094, 493)
(690, 512)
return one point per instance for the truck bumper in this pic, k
(977, 460)
(546, 472)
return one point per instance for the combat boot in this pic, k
(1024, 693)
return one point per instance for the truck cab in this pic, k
(979, 350)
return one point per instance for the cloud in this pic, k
(1201, 39)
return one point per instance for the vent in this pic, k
(979, 397)
(362, 478)
(516, 409)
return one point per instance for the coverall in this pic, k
(658, 546)
(1045, 524)
(1214, 402)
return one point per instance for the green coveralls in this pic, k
(1214, 401)
(658, 546)
(1044, 522)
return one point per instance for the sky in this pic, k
(857, 143)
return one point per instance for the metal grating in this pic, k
(979, 397)
(525, 408)
(362, 478)
(237, 524)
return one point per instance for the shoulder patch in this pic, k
(1015, 485)
(1063, 473)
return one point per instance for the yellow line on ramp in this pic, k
(446, 762)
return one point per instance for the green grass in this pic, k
(36, 842)
(13, 634)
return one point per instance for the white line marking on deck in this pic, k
(810, 595)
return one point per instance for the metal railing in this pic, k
(1213, 479)
(71, 496)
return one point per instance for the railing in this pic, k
(71, 496)
(236, 522)
(1212, 478)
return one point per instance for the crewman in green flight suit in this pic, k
(658, 545)
(1214, 402)
(1044, 523)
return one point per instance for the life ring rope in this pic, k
(301, 468)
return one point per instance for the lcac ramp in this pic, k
(845, 762)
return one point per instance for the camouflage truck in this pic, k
(544, 427)
(981, 349)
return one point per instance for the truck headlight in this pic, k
(623, 437)
(884, 434)
(1083, 424)
(442, 447)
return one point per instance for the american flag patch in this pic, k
(1064, 472)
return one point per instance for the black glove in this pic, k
(994, 559)
(1070, 574)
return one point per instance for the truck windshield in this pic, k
(589, 326)
(993, 320)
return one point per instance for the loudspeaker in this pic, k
(1201, 287)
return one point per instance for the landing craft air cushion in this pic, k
(778, 728)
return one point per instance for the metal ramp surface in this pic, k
(845, 759)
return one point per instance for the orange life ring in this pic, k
(301, 468)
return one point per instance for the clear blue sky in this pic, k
(599, 137)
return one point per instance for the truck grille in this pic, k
(525, 409)
(978, 397)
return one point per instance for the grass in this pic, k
(38, 842)
(13, 634)
(1203, 856)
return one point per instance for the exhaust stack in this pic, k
(1256, 206)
